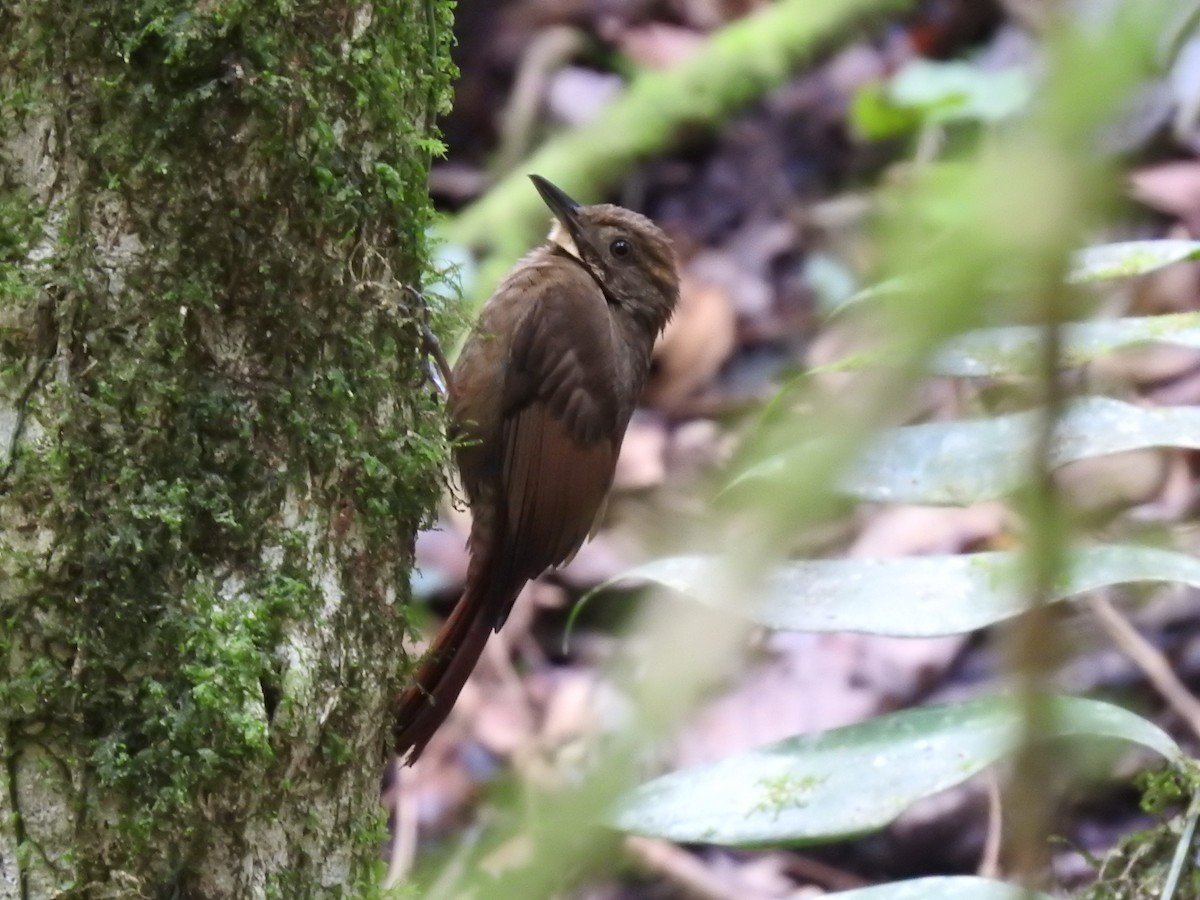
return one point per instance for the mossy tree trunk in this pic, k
(215, 439)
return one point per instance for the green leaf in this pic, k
(874, 117)
(850, 781)
(1104, 262)
(1129, 258)
(957, 91)
(914, 596)
(1015, 350)
(960, 463)
(982, 459)
(925, 91)
(952, 887)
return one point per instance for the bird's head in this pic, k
(628, 255)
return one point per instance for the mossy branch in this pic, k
(737, 64)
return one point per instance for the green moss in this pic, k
(255, 353)
(1137, 867)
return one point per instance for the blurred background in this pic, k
(785, 182)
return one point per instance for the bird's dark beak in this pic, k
(564, 208)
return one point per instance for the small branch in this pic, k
(1147, 658)
(737, 64)
(548, 52)
(989, 862)
(404, 839)
(679, 867)
(817, 872)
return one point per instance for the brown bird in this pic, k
(539, 401)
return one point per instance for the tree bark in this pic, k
(216, 441)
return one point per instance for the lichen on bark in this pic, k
(215, 438)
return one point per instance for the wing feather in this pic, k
(555, 488)
(562, 423)
(548, 430)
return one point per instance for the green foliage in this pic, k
(1153, 864)
(20, 226)
(739, 799)
(1129, 258)
(916, 596)
(926, 92)
(970, 244)
(1012, 351)
(948, 888)
(944, 463)
(979, 278)
(738, 64)
(1168, 787)
(848, 781)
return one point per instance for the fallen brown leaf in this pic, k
(695, 345)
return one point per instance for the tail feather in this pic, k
(426, 703)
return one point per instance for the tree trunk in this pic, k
(215, 438)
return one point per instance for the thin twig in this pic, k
(404, 838)
(449, 881)
(1155, 666)
(822, 873)
(989, 862)
(680, 868)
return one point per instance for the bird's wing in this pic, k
(560, 428)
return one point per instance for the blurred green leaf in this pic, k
(879, 292)
(926, 91)
(850, 781)
(982, 459)
(1129, 258)
(1102, 262)
(832, 281)
(958, 90)
(954, 887)
(874, 117)
(915, 596)
(959, 463)
(1014, 350)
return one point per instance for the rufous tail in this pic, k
(426, 703)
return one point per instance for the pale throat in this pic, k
(559, 235)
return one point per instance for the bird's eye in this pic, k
(620, 248)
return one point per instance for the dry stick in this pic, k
(448, 884)
(823, 874)
(679, 867)
(548, 52)
(989, 862)
(1155, 666)
(404, 841)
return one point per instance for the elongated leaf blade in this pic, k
(1105, 262)
(850, 781)
(1129, 258)
(1014, 350)
(948, 887)
(959, 463)
(965, 462)
(914, 596)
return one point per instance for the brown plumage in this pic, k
(540, 397)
